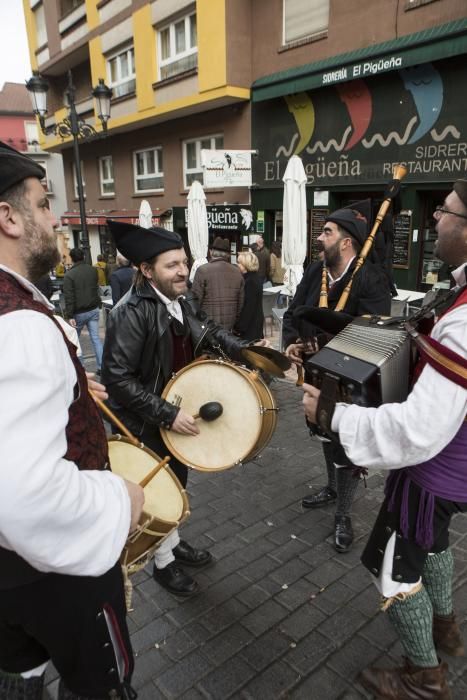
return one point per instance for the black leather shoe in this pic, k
(175, 580)
(343, 534)
(321, 498)
(184, 553)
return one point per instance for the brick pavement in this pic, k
(280, 614)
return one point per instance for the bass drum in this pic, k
(165, 501)
(243, 429)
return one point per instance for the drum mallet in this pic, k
(209, 411)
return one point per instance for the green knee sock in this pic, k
(412, 618)
(14, 687)
(437, 578)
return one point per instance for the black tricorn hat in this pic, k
(352, 221)
(222, 244)
(16, 166)
(140, 244)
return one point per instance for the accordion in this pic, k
(367, 363)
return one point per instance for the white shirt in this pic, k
(172, 305)
(404, 434)
(59, 519)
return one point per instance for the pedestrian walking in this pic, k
(82, 301)
(250, 324)
(264, 259)
(122, 278)
(219, 287)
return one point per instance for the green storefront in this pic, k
(350, 118)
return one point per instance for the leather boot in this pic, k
(407, 683)
(185, 554)
(175, 580)
(447, 635)
(15, 687)
(323, 497)
(343, 533)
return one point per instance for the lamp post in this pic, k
(72, 126)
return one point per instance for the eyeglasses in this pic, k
(440, 210)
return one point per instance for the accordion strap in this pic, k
(444, 360)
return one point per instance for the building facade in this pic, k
(180, 74)
(350, 87)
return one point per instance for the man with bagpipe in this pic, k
(345, 232)
(423, 441)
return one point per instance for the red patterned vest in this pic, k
(86, 438)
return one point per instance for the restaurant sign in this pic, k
(351, 133)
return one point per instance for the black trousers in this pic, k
(151, 437)
(77, 622)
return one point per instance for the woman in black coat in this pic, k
(249, 325)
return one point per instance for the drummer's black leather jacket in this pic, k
(137, 360)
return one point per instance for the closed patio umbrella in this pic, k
(198, 232)
(294, 223)
(145, 214)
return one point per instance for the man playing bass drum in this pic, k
(423, 441)
(154, 331)
(343, 236)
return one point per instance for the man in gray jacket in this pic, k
(219, 287)
(82, 301)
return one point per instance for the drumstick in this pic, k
(114, 419)
(160, 465)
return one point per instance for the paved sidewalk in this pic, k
(280, 614)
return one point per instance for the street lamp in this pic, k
(72, 126)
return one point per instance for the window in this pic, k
(67, 6)
(41, 30)
(106, 175)
(75, 181)
(148, 170)
(121, 72)
(303, 18)
(192, 169)
(32, 135)
(178, 50)
(45, 182)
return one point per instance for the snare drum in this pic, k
(165, 504)
(243, 429)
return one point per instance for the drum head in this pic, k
(227, 440)
(162, 496)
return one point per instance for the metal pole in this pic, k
(75, 133)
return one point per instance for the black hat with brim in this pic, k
(15, 167)
(140, 244)
(351, 221)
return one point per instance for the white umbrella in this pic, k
(198, 232)
(145, 214)
(294, 222)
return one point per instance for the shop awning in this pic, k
(432, 44)
(127, 216)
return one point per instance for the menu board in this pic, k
(402, 239)
(318, 218)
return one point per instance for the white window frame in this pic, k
(200, 143)
(106, 180)
(122, 85)
(75, 181)
(308, 6)
(157, 150)
(48, 185)
(164, 64)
